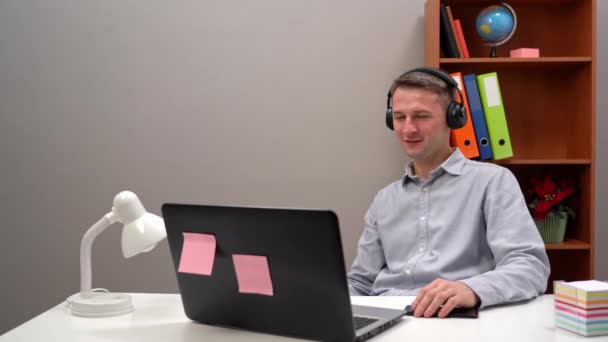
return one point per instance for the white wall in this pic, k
(267, 102)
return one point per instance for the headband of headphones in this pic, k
(431, 71)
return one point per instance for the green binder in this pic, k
(494, 112)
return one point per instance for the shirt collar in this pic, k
(453, 165)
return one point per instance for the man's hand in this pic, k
(446, 293)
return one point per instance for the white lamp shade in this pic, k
(142, 234)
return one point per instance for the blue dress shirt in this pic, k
(467, 222)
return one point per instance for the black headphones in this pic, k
(455, 115)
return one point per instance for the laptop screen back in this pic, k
(309, 296)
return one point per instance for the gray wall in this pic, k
(267, 102)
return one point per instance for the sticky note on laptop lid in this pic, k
(198, 253)
(253, 274)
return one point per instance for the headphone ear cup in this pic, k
(389, 119)
(456, 115)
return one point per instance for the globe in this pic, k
(495, 25)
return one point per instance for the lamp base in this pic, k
(99, 304)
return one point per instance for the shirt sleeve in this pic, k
(522, 266)
(369, 260)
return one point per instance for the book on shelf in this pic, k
(446, 36)
(454, 32)
(460, 36)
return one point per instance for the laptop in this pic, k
(303, 250)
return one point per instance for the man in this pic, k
(454, 232)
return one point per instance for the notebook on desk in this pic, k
(271, 270)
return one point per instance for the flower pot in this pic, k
(553, 227)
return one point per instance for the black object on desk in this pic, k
(455, 313)
(320, 310)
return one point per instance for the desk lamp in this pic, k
(141, 232)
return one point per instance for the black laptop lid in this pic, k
(304, 253)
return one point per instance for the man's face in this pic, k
(420, 124)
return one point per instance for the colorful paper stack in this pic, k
(582, 307)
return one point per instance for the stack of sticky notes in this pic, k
(582, 307)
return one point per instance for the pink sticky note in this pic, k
(525, 53)
(253, 274)
(198, 252)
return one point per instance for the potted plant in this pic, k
(548, 201)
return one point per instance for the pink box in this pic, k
(525, 53)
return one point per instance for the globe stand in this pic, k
(493, 52)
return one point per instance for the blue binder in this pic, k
(479, 121)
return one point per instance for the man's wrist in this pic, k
(476, 297)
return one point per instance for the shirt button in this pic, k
(425, 189)
(422, 218)
(408, 271)
(420, 249)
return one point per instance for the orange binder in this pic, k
(464, 138)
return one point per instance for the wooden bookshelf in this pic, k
(549, 103)
(516, 161)
(537, 61)
(568, 244)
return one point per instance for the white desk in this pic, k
(160, 317)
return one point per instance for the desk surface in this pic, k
(160, 317)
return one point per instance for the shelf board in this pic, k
(515, 161)
(523, 61)
(568, 244)
(514, 3)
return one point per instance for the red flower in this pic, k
(548, 195)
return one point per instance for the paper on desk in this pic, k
(590, 285)
(253, 274)
(198, 253)
(582, 307)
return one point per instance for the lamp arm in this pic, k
(86, 246)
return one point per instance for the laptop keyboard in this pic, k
(361, 322)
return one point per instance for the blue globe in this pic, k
(495, 24)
